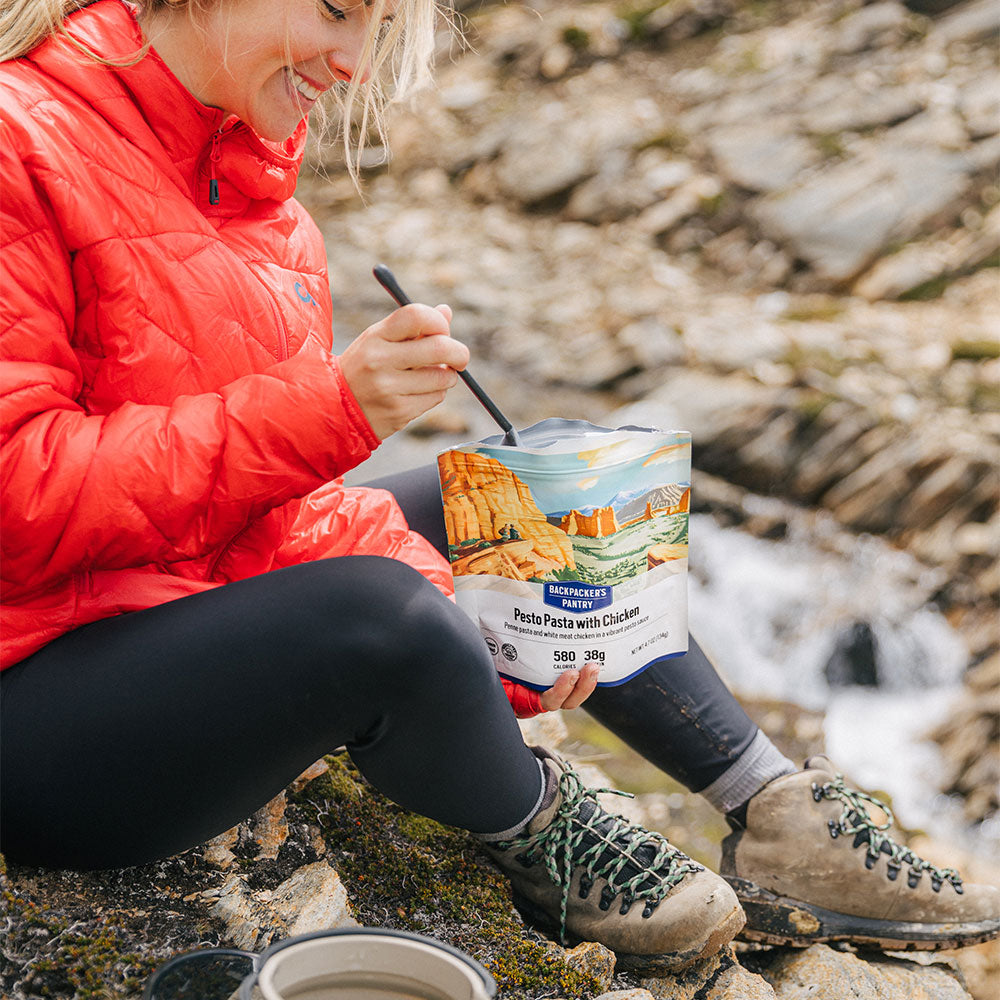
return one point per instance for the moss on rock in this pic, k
(49, 952)
(407, 872)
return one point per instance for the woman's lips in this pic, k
(306, 88)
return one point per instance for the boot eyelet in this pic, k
(834, 828)
(892, 872)
(870, 861)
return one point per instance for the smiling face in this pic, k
(265, 61)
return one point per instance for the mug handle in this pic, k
(172, 982)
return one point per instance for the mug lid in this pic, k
(206, 974)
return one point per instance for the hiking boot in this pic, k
(814, 864)
(594, 877)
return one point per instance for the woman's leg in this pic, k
(145, 734)
(678, 714)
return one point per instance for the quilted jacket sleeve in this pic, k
(143, 484)
(525, 702)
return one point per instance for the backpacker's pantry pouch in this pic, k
(573, 547)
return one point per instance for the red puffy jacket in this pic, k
(172, 416)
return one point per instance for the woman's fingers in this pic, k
(571, 689)
(584, 687)
(414, 320)
(403, 365)
(427, 352)
(554, 697)
(421, 335)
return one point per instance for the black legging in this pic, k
(145, 734)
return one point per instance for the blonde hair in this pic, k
(27, 23)
(399, 52)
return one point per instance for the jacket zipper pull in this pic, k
(214, 156)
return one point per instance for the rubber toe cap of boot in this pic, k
(699, 917)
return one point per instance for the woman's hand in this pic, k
(403, 366)
(572, 688)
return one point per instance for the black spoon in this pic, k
(388, 281)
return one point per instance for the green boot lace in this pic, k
(856, 819)
(637, 864)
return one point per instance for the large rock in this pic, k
(840, 220)
(856, 111)
(594, 960)
(975, 21)
(761, 156)
(312, 899)
(972, 728)
(546, 153)
(819, 973)
(718, 978)
(72, 935)
(919, 264)
(873, 25)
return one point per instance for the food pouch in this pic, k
(572, 548)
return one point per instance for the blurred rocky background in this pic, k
(773, 224)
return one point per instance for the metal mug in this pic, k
(346, 964)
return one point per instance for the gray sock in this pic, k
(545, 797)
(760, 763)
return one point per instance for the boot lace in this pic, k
(635, 863)
(855, 818)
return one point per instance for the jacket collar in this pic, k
(148, 105)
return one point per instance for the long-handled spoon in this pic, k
(388, 281)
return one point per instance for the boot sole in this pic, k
(673, 961)
(778, 920)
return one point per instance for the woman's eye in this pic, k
(332, 12)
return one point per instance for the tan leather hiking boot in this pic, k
(814, 864)
(594, 877)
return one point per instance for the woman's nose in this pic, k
(345, 61)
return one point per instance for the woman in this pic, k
(194, 608)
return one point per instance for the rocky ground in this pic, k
(772, 224)
(331, 852)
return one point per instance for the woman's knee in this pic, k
(329, 594)
(421, 636)
(386, 615)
